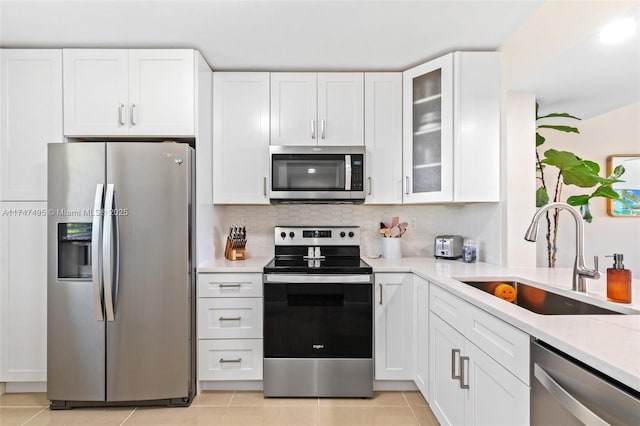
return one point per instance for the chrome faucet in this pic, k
(580, 270)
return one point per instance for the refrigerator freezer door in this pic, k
(76, 338)
(149, 341)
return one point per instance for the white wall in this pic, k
(546, 35)
(478, 221)
(616, 132)
(518, 182)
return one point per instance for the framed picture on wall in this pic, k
(629, 189)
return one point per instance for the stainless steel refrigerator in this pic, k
(121, 277)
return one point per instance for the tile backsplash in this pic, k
(480, 221)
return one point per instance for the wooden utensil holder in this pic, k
(231, 253)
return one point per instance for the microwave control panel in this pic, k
(357, 172)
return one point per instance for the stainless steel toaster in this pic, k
(447, 247)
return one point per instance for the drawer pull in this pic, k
(223, 361)
(229, 285)
(230, 318)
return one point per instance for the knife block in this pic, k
(231, 253)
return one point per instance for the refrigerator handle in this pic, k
(116, 251)
(96, 269)
(107, 255)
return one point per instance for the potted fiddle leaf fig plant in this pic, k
(572, 170)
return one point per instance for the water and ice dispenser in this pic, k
(74, 250)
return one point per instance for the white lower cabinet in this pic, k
(230, 318)
(229, 322)
(421, 334)
(446, 397)
(23, 292)
(230, 359)
(467, 386)
(393, 326)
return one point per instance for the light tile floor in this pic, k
(230, 408)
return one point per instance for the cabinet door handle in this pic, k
(406, 185)
(370, 185)
(313, 129)
(464, 374)
(380, 286)
(454, 362)
(222, 285)
(322, 128)
(222, 360)
(121, 114)
(264, 185)
(238, 318)
(133, 114)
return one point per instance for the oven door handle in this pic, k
(322, 278)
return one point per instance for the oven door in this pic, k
(318, 316)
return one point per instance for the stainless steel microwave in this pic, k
(317, 174)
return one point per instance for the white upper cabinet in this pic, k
(451, 115)
(161, 92)
(317, 108)
(383, 137)
(30, 117)
(115, 92)
(428, 132)
(341, 108)
(240, 137)
(293, 108)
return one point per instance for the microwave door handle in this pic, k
(96, 269)
(347, 172)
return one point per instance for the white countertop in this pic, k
(609, 343)
(251, 264)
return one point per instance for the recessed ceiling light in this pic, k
(618, 31)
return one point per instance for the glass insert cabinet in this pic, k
(451, 129)
(428, 119)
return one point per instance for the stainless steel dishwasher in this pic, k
(566, 392)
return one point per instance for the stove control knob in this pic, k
(351, 234)
(292, 234)
(342, 234)
(283, 235)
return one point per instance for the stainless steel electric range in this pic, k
(318, 314)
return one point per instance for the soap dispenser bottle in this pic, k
(618, 281)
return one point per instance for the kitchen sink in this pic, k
(545, 302)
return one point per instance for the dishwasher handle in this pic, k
(571, 404)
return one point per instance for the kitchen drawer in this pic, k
(498, 339)
(230, 318)
(447, 306)
(230, 285)
(230, 359)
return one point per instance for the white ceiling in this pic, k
(318, 36)
(591, 77)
